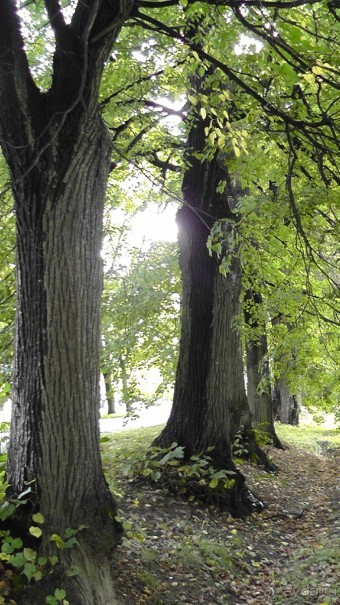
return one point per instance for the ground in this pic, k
(176, 553)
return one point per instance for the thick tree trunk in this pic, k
(210, 403)
(54, 430)
(259, 397)
(58, 153)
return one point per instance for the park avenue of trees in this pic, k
(89, 93)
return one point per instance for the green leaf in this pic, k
(35, 531)
(42, 561)
(38, 518)
(29, 570)
(73, 571)
(60, 594)
(57, 540)
(104, 439)
(17, 543)
(29, 554)
(7, 509)
(18, 560)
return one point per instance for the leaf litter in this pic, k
(178, 553)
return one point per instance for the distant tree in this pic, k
(140, 320)
(258, 370)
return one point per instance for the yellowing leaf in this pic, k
(310, 78)
(38, 518)
(35, 531)
(317, 70)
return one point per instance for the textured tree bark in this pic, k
(260, 402)
(54, 431)
(210, 403)
(59, 153)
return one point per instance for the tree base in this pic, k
(249, 449)
(92, 584)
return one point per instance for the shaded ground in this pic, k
(175, 553)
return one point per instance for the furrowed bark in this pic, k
(210, 403)
(59, 154)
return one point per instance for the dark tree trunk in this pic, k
(259, 397)
(54, 429)
(59, 154)
(210, 403)
(110, 395)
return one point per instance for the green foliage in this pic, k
(239, 447)
(22, 565)
(7, 292)
(69, 539)
(58, 597)
(195, 478)
(140, 320)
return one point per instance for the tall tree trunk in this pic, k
(125, 386)
(110, 395)
(210, 403)
(56, 370)
(286, 406)
(59, 152)
(259, 398)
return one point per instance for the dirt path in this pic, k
(178, 554)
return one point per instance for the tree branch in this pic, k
(313, 130)
(282, 4)
(56, 18)
(146, 78)
(16, 83)
(167, 110)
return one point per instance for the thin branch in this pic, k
(157, 3)
(267, 106)
(132, 84)
(165, 165)
(168, 110)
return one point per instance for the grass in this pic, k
(128, 443)
(113, 416)
(133, 442)
(315, 439)
(120, 450)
